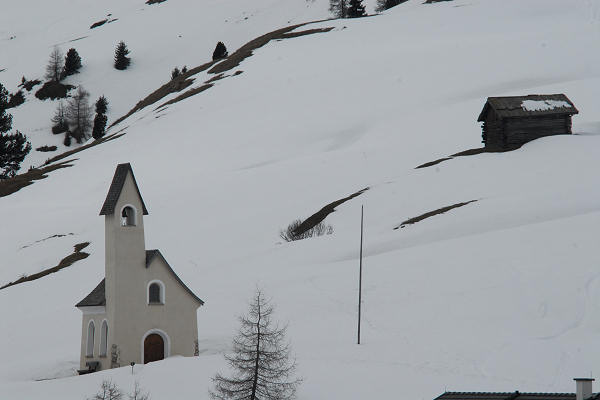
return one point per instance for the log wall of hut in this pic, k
(511, 133)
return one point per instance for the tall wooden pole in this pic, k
(360, 270)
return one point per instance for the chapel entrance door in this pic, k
(154, 348)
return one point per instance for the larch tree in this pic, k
(55, 66)
(59, 120)
(262, 368)
(79, 115)
(339, 8)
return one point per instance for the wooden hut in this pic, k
(510, 122)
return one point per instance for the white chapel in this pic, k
(141, 311)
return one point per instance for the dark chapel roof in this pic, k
(512, 106)
(115, 190)
(97, 297)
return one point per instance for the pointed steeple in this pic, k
(116, 187)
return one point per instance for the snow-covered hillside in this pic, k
(501, 294)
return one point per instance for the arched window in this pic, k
(90, 340)
(128, 216)
(103, 339)
(156, 293)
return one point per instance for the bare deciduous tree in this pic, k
(108, 391)
(262, 368)
(55, 65)
(79, 115)
(339, 8)
(138, 394)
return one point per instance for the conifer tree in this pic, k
(220, 51)
(356, 9)
(121, 59)
(386, 4)
(100, 119)
(72, 63)
(175, 73)
(261, 359)
(5, 118)
(54, 67)
(13, 149)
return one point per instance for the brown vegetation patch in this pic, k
(306, 32)
(98, 23)
(58, 235)
(218, 67)
(187, 94)
(92, 143)
(65, 262)
(470, 152)
(320, 215)
(18, 182)
(442, 210)
(215, 78)
(46, 148)
(12, 185)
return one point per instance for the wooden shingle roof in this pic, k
(115, 190)
(96, 297)
(512, 106)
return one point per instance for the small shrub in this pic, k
(184, 69)
(53, 90)
(220, 51)
(46, 148)
(320, 229)
(175, 73)
(16, 99)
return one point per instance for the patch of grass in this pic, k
(64, 263)
(319, 216)
(98, 23)
(442, 210)
(186, 94)
(18, 182)
(470, 152)
(46, 148)
(319, 229)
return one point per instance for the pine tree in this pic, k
(13, 149)
(339, 8)
(54, 67)
(72, 63)
(356, 9)
(16, 99)
(5, 118)
(261, 359)
(79, 115)
(100, 119)
(121, 59)
(220, 51)
(383, 5)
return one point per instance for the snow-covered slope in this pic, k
(501, 294)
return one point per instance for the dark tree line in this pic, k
(13, 147)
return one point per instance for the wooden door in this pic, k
(154, 348)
